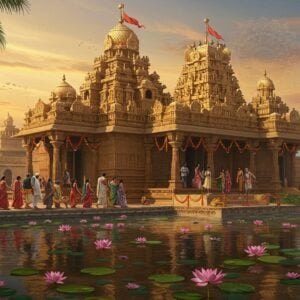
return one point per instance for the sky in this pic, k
(63, 37)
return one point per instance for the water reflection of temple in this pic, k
(123, 123)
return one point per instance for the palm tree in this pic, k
(10, 6)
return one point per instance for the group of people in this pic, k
(30, 192)
(202, 179)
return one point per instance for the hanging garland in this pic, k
(285, 147)
(91, 146)
(186, 200)
(164, 144)
(189, 142)
(74, 146)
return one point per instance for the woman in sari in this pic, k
(18, 195)
(197, 181)
(58, 197)
(49, 191)
(75, 194)
(3, 193)
(240, 179)
(114, 191)
(228, 182)
(88, 199)
(221, 181)
(122, 195)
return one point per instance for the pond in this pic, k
(40, 247)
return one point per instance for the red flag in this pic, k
(212, 32)
(131, 20)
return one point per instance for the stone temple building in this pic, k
(12, 156)
(121, 122)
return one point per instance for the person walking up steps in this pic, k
(36, 188)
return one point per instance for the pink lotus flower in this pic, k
(258, 222)
(96, 218)
(102, 244)
(83, 221)
(120, 225)
(256, 250)
(95, 225)
(132, 286)
(292, 275)
(55, 277)
(204, 277)
(108, 226)
(208, 227)
(64, 228)
(2, 283)
(123, 217)
(141, 240)
(293, 225)
(184, 230)
(32, 223)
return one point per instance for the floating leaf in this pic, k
(6, 292)
(75, 253)
(290, 262)
(292, 252)
(7, 225)
(25, 226)
(97, 298)
(177, 287)
(267, 235)
(230, 287)
(166, 278)
(271, 259)
(98, 271)
(20, 297)
(119, 266)
(140, 291)
(232, 275)
(24, 272)
(104, 281)
(236, 262)
(103, 259)
(154, 242)
(271, 247)
(290, 281)
(59, 252)
(128, 279)
(187, 296)
(75, 289)
(163, 262)
(139, 263)
(188, 262)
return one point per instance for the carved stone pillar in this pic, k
(64, 154)
(148, 144)
(29, 149)
(294, 174)
(275, 146)
(56, 162)
(175, 141)
(210, 147)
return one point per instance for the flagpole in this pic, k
(206, 21)
(121, 8)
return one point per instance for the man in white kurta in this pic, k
(36, 188)
(101, 191)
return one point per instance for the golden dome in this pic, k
(121, 37)
(265, 83)
(8, 121)
(64, 89)
(227, 51)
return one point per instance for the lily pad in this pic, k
(139, 263)
(177, 287)
(236, 262)
(290, 262)
(98, 271)
(128, 279)
(230, 287)
(163, 262)
(118, 266)
(6, 292)
(166, 278)
(292, 252)
(25, 226)
(75, 253)
(232, 275)
(24, 272)
(59, 252)
(188, 262)
(140, 291)
(97, 298)
(7, 225)
(271, 247)
(104, 281)
(75, 289)
(154, 242)
(272, 259)
(267, 235)
(187, 296)
(20, 297)
(102, 259)
(290, 281)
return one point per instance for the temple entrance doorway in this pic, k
(75, 166)
(192, 158)
(285, 169)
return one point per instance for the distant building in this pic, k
(12, 155)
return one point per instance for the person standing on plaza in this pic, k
(36, 188)
(113, 185)
(240, 180)
(49, 191)
(207, 180)
(58, 197)
(87, 200)
(102, 191)
(221, 181)
(228, 182)
(122, 194)
(27, 189)
(197, 178)
(3, 194)
(17, 194)
(184, 173)
(75, 194)
(249, 179)
(66, 179)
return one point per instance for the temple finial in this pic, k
(64, 78)
(265, 73)
(121, 8)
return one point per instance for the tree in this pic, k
(11, 6)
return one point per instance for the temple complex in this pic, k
(12, 156)
(121, 122)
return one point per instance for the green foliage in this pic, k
(287, 199)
